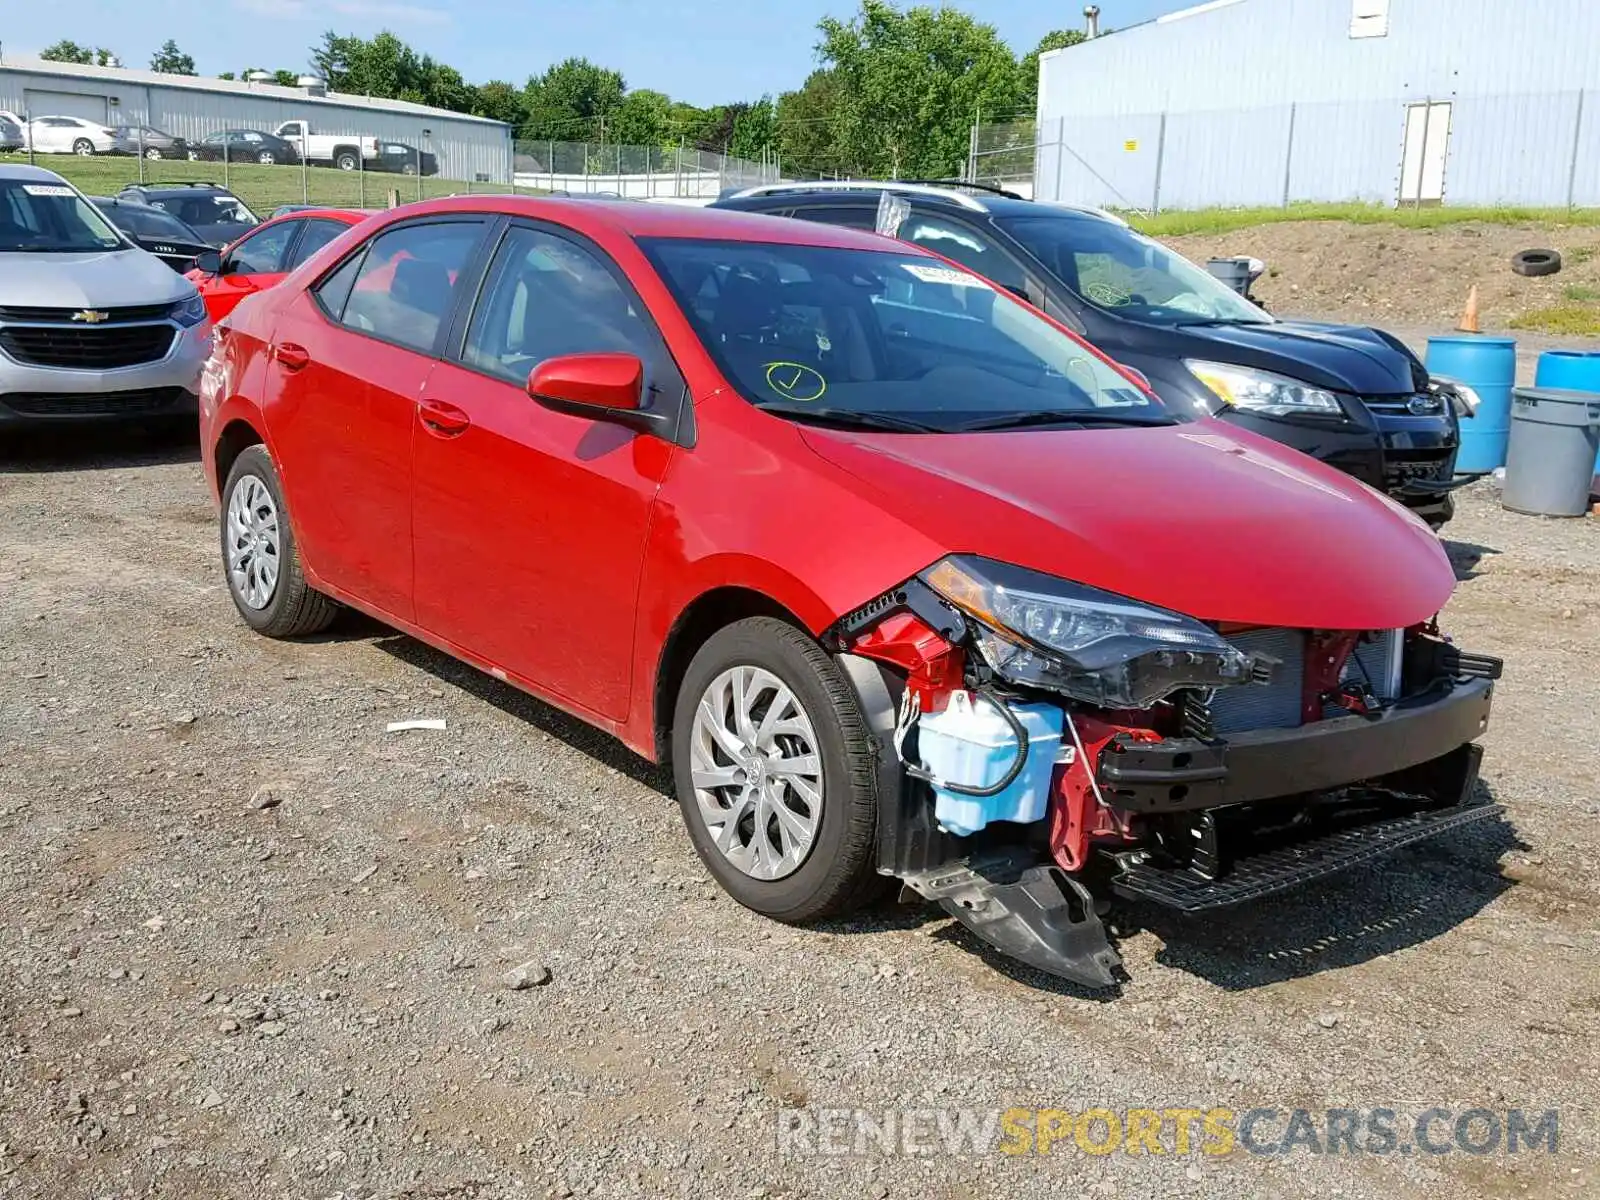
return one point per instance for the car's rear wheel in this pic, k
(152, 152)
(347, 160)
(409, 168)
(83, 147)
(267, 158)
(259, 555)
(194, 156)
(774, 771)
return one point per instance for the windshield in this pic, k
(1123, 272)
(37, 216)
(199, 211)
(840, 333)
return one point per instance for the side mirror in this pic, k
(209, 261)
(601, 387)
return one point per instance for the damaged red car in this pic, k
(907, 581)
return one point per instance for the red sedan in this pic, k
(904, 578)
(265, 255)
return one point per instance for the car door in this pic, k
(351, 356)
(52, 135)
(254, 262)
(529, 524)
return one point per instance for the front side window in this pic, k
(262, 252)
(43, 217)
(406, 284)
(881, 336)
(545, 297)
(1121, 271)
(150, 223)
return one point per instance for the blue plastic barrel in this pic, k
(1574, 370)
(1487, 365)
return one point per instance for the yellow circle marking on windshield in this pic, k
(796, 381)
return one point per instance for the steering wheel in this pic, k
(1107, 295)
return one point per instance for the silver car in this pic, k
(90, 325)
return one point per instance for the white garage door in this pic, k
(65, 104)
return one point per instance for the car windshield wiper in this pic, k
(848, 418)
(1221, 321)
(1063, 416)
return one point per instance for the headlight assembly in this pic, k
(190, 312)
(1093, 646)
(1264, 392)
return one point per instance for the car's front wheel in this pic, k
(152, 152)
(267, 158)
(773, 764)
(259, 555)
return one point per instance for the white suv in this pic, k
(74, 135)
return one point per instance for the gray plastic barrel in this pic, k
(1555, 434)
(1235, 272)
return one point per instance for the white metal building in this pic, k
(1263, 102)
(191, 106)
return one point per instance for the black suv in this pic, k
(1354, 397)
(153, 229)
(212, 211)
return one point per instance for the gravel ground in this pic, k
(254, 946)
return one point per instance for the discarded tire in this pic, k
(1536, 262)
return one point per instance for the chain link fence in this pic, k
(1538, 150)
(363, 169)
(679, 172)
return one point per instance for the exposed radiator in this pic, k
(1276, 705)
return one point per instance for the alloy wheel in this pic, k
(757, 772)
(253, 542)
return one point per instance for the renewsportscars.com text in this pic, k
(843, 1132)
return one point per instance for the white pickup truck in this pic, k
(344, 150)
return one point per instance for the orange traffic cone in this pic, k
(1469, 314)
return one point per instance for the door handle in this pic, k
(441, 419)
(292, 356)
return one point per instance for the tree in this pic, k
(572, 99)
(70, 52)
(1056, 39)
(910, 84)
(500, 101)
(169, 60)
(807, 122)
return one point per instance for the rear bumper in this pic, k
(1185, 774)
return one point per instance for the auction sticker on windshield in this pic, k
(47, 189)
(945, 275)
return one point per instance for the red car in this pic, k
(262, 257)
(905, 579)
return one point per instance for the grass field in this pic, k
(1226, 220)
(262, 188)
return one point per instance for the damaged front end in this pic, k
(1047, 746)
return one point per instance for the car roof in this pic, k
(636, 220)
(864, 193)
(22, 171)
(186, 189)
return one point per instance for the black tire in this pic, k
(1535, 263)
(194, 156)
(152, 152)
(294, 610)
(409, 169)
(347, 160)
(83, 147)
(267, 158)
(837, 874)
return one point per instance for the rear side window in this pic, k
(261, 253)
(317, 235)
(850, 218)
(407, 280)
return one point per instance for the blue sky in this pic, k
(703, 51)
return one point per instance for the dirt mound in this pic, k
(1387, 275)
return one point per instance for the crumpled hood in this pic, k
(1199, 518)
(96, 279)
(1345, 358)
